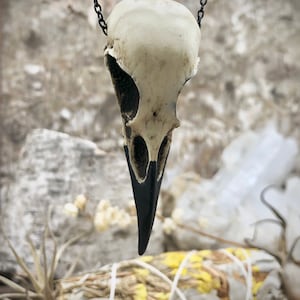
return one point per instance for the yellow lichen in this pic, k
(196, 261)
(183, 272)
(140, 292)
(203, 276)
(204, 253)
(174, 259)
(216, 283)
(141, 272)
(256, 286)
(146, 258)
(241, 254)
(161, 296)
(206, 282)
(196, 258)
(255, 269)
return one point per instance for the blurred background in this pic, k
(53, 75)
(247, 90)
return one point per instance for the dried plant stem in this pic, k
(158, 273)
(42, 277)
(202, 233)
(15, 287)
(18, 296)
(22, 264)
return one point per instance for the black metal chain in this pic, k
(101, 20)
(103, 24)
(201, 11)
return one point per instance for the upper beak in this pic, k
(145, 195)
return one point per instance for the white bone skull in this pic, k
(152, 50)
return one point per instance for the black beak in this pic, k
(145, 196)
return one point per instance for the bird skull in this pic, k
(152, 50)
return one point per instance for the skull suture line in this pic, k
(152, 50)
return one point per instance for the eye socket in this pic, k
(163, 153)
(125, 88)
(140, 156)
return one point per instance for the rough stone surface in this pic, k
(53, 169)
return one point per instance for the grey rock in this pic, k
(53, 169)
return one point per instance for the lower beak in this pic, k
(145, 196)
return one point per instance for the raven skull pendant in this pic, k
(151, 52)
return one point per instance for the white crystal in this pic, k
(229, 203)
(33, 69)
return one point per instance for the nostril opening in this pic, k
(154, 114)
(140, 156)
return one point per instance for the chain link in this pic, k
(201, 11)
(103, 24)
(101, 20)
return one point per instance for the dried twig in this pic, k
(202, 233)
